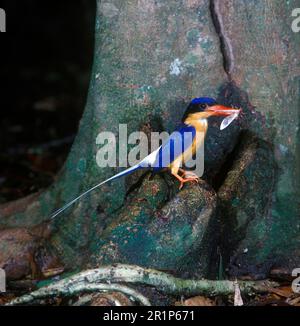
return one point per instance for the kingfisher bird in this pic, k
(177, 149)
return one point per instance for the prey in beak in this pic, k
(230, 114)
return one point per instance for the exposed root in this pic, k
(15, 207)
(69, 290)
(92, 280)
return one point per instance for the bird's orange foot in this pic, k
(184, 180)
(188, 174)
(188, 177)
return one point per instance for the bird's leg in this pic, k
(188, 174)
(182, 171)
(182, 180)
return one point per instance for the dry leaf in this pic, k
(294, 301)
(110, 299)
(53, 271)
(197, 302)
(284, 291)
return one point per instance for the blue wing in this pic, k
(179, 141)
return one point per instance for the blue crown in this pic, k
(204, 100)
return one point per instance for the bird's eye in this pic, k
(202, 106)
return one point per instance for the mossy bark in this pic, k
(152, 57)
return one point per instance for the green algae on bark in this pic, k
(180, 236)
(245, 206)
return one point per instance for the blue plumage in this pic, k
(204, 100)
(178, 142)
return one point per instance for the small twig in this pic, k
(163, 282)
(77, 289)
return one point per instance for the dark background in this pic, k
(46, 59)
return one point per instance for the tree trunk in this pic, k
(151, 57)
